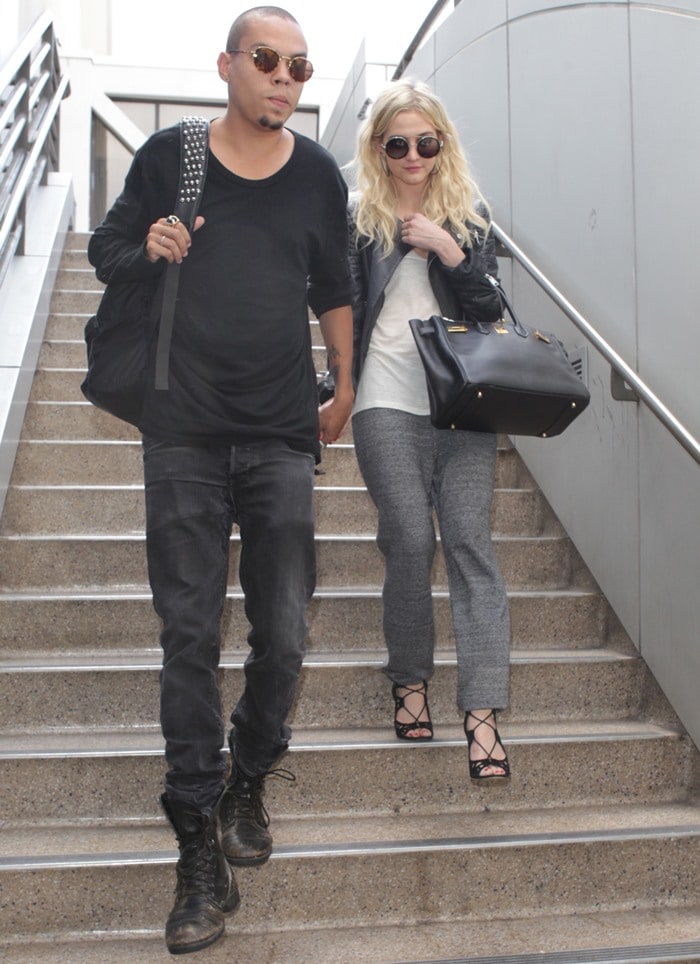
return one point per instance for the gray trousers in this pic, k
(410, 469)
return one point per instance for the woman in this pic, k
(421, 246)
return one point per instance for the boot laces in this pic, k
(197, 867)
(249, 797)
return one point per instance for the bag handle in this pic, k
(505, 303)
(194, 152)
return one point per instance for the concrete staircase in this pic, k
(384, 851)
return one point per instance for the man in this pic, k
(235, 438)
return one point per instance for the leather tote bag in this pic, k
(507, 377)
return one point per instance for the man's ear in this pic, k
(223, 62)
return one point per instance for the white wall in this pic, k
(581, 123)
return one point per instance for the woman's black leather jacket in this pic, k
(463, 293)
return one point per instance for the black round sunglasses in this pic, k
(397, 147)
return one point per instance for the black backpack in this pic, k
(119, 336)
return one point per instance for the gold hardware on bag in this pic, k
(538, 334)
(457, 328)
(500, 328)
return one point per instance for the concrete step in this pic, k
(89, 462)
(112, 509)
(96, 775)
(640, 936)
(76, 258)
(121, 623)
(76, 241)
(78, 276)
(80, 562)
(96, 462)
(73, 420)
(356, 882)
(76, 300)
(65, 326)
(116, 691)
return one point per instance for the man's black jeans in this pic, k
(193, 497)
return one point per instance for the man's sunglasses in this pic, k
(398, 147)
(266, 59)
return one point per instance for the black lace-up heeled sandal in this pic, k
(404, 730)
(477, 767)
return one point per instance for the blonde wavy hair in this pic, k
(452, 198)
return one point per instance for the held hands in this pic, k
(333, 417)
(169, 238)
(419, 232)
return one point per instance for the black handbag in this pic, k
(119, 336)
(505, 377)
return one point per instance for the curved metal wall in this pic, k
(580, 121)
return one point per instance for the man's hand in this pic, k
(333, 417)
(169, 239)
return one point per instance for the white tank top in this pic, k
(393, 375)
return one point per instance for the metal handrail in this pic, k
(421, 33)
(640, 388)
(31, 90)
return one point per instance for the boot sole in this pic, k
(247, 861)
(198, 945)
(228, 908)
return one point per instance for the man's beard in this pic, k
(265, 121)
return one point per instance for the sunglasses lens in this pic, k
(266, 59)
(396, 147)
(300, 69)
(428, 146)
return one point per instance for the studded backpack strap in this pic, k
(194, 151)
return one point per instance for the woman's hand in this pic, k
(421, 233)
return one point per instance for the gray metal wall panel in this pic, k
(670, 569)
(666, 78)
(571, 160)
(521, 8)
(573, 214)
(468, 22)
(474, 86)
(673, 6)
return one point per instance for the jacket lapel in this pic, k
(380, 272)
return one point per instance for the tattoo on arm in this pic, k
(333, 360)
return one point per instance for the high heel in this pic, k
(403, 730)
(476, 767)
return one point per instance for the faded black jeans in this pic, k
(193, 497)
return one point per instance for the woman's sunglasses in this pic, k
(398, 147)
(266, 59)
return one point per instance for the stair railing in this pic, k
(32, 87)
(621, 374)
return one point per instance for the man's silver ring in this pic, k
(162, 241)
(172, 219)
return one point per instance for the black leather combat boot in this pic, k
(245, 839)
(206, 888)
